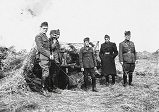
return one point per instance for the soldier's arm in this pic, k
(101, 52)
(135, 53)
(40, 48)
(94, 58)
(115, 50)
(53, 43)
(81, 57)
(120, 52)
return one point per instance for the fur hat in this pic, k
(55, 32)
(52, 32)
(58, 32)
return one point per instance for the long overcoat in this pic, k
(108, 52)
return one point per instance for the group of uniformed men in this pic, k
(48, 49)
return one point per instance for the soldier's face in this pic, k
(58, 35)
(44, 29)
(86, 43)
(127, 37)
(107, 39)
(54, 35)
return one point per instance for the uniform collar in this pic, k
(126, 41)
(44, 35)
(85, 47)
(107, 42)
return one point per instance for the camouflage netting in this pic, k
(75, 77)
(20, 67)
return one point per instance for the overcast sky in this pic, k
(78, 19)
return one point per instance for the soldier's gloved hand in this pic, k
(121, 63)
(54, 41)
(54, 44)
(82, 69)
(51, 57)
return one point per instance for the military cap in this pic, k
(127, 33)
(58, 32)
(86, 39)
(106, 36)
(55, 32)
(44, 24)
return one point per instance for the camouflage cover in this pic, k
(31, 68)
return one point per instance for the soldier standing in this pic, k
(55, 62)
(42, 43)
(127, 58)
(108, 52)
(88, 64)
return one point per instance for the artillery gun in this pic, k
(69, 76)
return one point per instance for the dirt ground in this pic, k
(142, 97)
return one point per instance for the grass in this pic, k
(142, 97)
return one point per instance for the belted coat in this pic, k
(127, 52)
(87, 58)
(108, 52)
(43, 46)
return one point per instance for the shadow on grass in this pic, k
(3, 107)
(118, 79)
(27, 108)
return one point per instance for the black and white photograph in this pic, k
(79, 56)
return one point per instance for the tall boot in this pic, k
(43, 83)
(50, 83)
(107, 80)
(130, 78)
(86, 83)
(54, 87)
(124, 79)
(53, 82)
(113, 79)
(94, 85)
(44, 86)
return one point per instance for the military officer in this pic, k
(88, 64)
(127, 58)
(108, 52)
(42, 43)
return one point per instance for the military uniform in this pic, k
(42, 43)
(108, 52)
(55, 63)
(127, 55)
(88, 62)
(55, 50)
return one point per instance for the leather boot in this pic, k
(44, 90)
(86, 83)
(94, 89)
(107, 80)
(113, 79)
(130, 79)
(124, 79)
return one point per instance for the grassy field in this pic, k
(142, 97)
